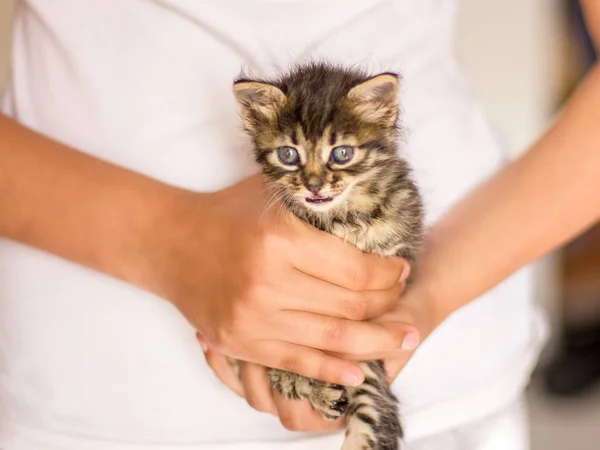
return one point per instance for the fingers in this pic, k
(254, 385)
(299, 415)
(319, 297)
(258, 391)
(341, 335)
(252, 382)
(325, 256)
(309, 362)
(221, 366)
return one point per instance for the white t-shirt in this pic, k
(87, 361)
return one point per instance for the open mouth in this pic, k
(319, 199)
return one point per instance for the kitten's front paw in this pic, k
(331, 400)
(290, 385)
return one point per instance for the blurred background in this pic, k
(524, 58)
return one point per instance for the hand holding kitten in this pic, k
(252, 382)
(252, 279)
(326, 139)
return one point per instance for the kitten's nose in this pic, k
(314, 184)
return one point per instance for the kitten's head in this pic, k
(321, 134)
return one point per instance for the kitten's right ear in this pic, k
(376, 99)
(258, 102)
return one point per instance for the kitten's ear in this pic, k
(376, 100)
(258, 101)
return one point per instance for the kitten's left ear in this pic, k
(258, 101)
(376, 100)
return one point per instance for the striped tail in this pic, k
(372, 416)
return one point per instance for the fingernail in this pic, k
(410, 341)
(351, 379)
(405, 273)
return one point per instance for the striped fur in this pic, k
(369, 201)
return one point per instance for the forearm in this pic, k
(542, 200)
(75, 206)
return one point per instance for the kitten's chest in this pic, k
(380, 237)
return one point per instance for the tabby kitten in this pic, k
(326, 138)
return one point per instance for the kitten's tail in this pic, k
(372, 416)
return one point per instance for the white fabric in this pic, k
(506, 429)
(87, 361)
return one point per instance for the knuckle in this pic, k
(259, 284)
(275, 239)
(289, 422)
(252, 275)
(357, 309)
(237, 315)
(358, 277)
(254, 292)
(222, 338)
(256, 402)
(226, 339)
(335, 331)
(291, 363)
(254, 296)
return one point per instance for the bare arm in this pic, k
(537, 203)
(214, 256)
(80, 208)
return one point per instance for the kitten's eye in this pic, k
(342, 154)
(288, 155)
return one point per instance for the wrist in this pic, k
(181, 224)
(429, 308)
(155, 223)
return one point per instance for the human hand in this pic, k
(252, 383)
(416, 309)
(264, 287)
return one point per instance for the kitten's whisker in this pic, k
(277, 195)
(272, 201)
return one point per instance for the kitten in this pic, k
(327, 138)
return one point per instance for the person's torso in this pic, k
(146, 84)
